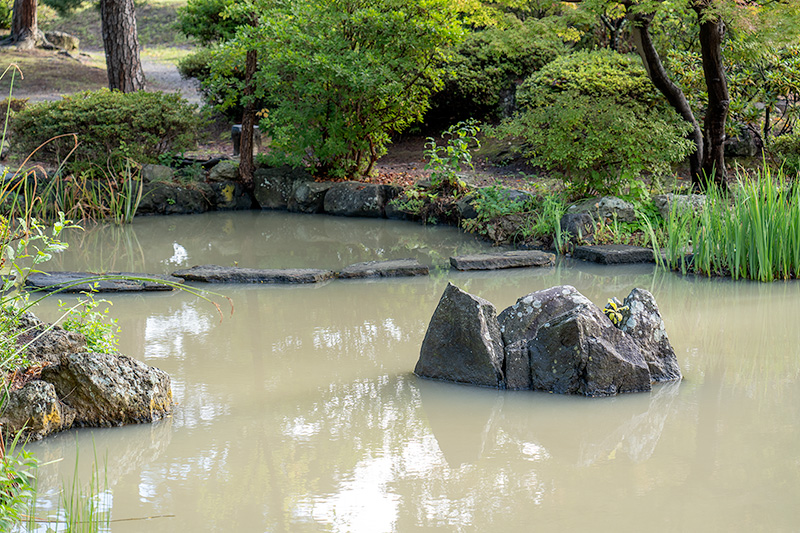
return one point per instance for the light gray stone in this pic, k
(225, 170)
(693, 202)
(384, 269)
(500, 260)
(642, 322)
(606, 207)
(221, 274)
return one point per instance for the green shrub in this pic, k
(140, 125)
(488, 66)
(599, 145)
(207, 21)
(601, 73)
(63, 7)
(787, 148)
(5, 14)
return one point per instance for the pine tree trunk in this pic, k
(121, 44)
(25, 32)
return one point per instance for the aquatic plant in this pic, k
(753, 233)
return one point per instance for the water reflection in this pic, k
(299, 413)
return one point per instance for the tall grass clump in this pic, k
(751, 233)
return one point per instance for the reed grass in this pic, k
(751, 233)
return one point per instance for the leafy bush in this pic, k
(99, 329)
(5, 14)
(787, 148)
(140, 125)
(341, 76)
(596, 118)
(207, 21)
(602, 74)
(487, 66)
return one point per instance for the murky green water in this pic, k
(300, 412)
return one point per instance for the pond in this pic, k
(301, 413)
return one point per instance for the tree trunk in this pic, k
(671, 91)
(711, 33)
(121, 44)
(246, 167)
(25, 32)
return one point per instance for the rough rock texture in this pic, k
(520, 323)
(169, 199)
(71, 282)
(613, 254)
(578, 227)
(225, 170)
(308, 197)
(580, 351)
(384, 269)
(274, 186)
(512, 259)
(355, 199)
(746, 143)
(664, 202)
(605, 207)
(643, 323)
(553, 340)
(463, 342)
(221, 274)
(35, 407)
(110, 390)
(63, 40)
(47, 345)
(157, 173)
(230, 195)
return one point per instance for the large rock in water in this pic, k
(109, 389)
(553, 340)
(643, 323)
(35, 410)
(463, 341)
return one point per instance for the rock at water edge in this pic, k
(463, 342)
(511, 259)
(110, 390)
(35, 410)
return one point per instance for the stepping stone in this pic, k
(384, 269)
(221, 274)
(613, 254)
(82, 282)
(495, 261)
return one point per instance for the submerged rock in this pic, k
(553, 340)
(463, 342)
(74, 282)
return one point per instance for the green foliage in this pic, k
(207, 21)
(17, 469)
(63, 7)
(488, 65)
(599, 144)
(752, 234)
(147, 124)
(787, 148)
(600, 74)
(6, 11)
(445, 162)
(340, 77)
(99, 329)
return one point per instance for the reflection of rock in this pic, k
(459, 420)
(463, 341)
(554, 340)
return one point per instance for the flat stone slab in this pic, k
(385, 269)
(83, 282)
(221, 274)
(613, 254)
(496, 261)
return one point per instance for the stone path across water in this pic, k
(91, 282)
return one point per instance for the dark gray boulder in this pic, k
(221, 274)
(578, 228)
(613, 254)
(463, 342)
(356, 199)
(499, 260)
(273, 187)
(642, 322)
(109, 389)
(384, 269)
(82, 282)
(35, 410)
(230, 195)
(308, 197)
